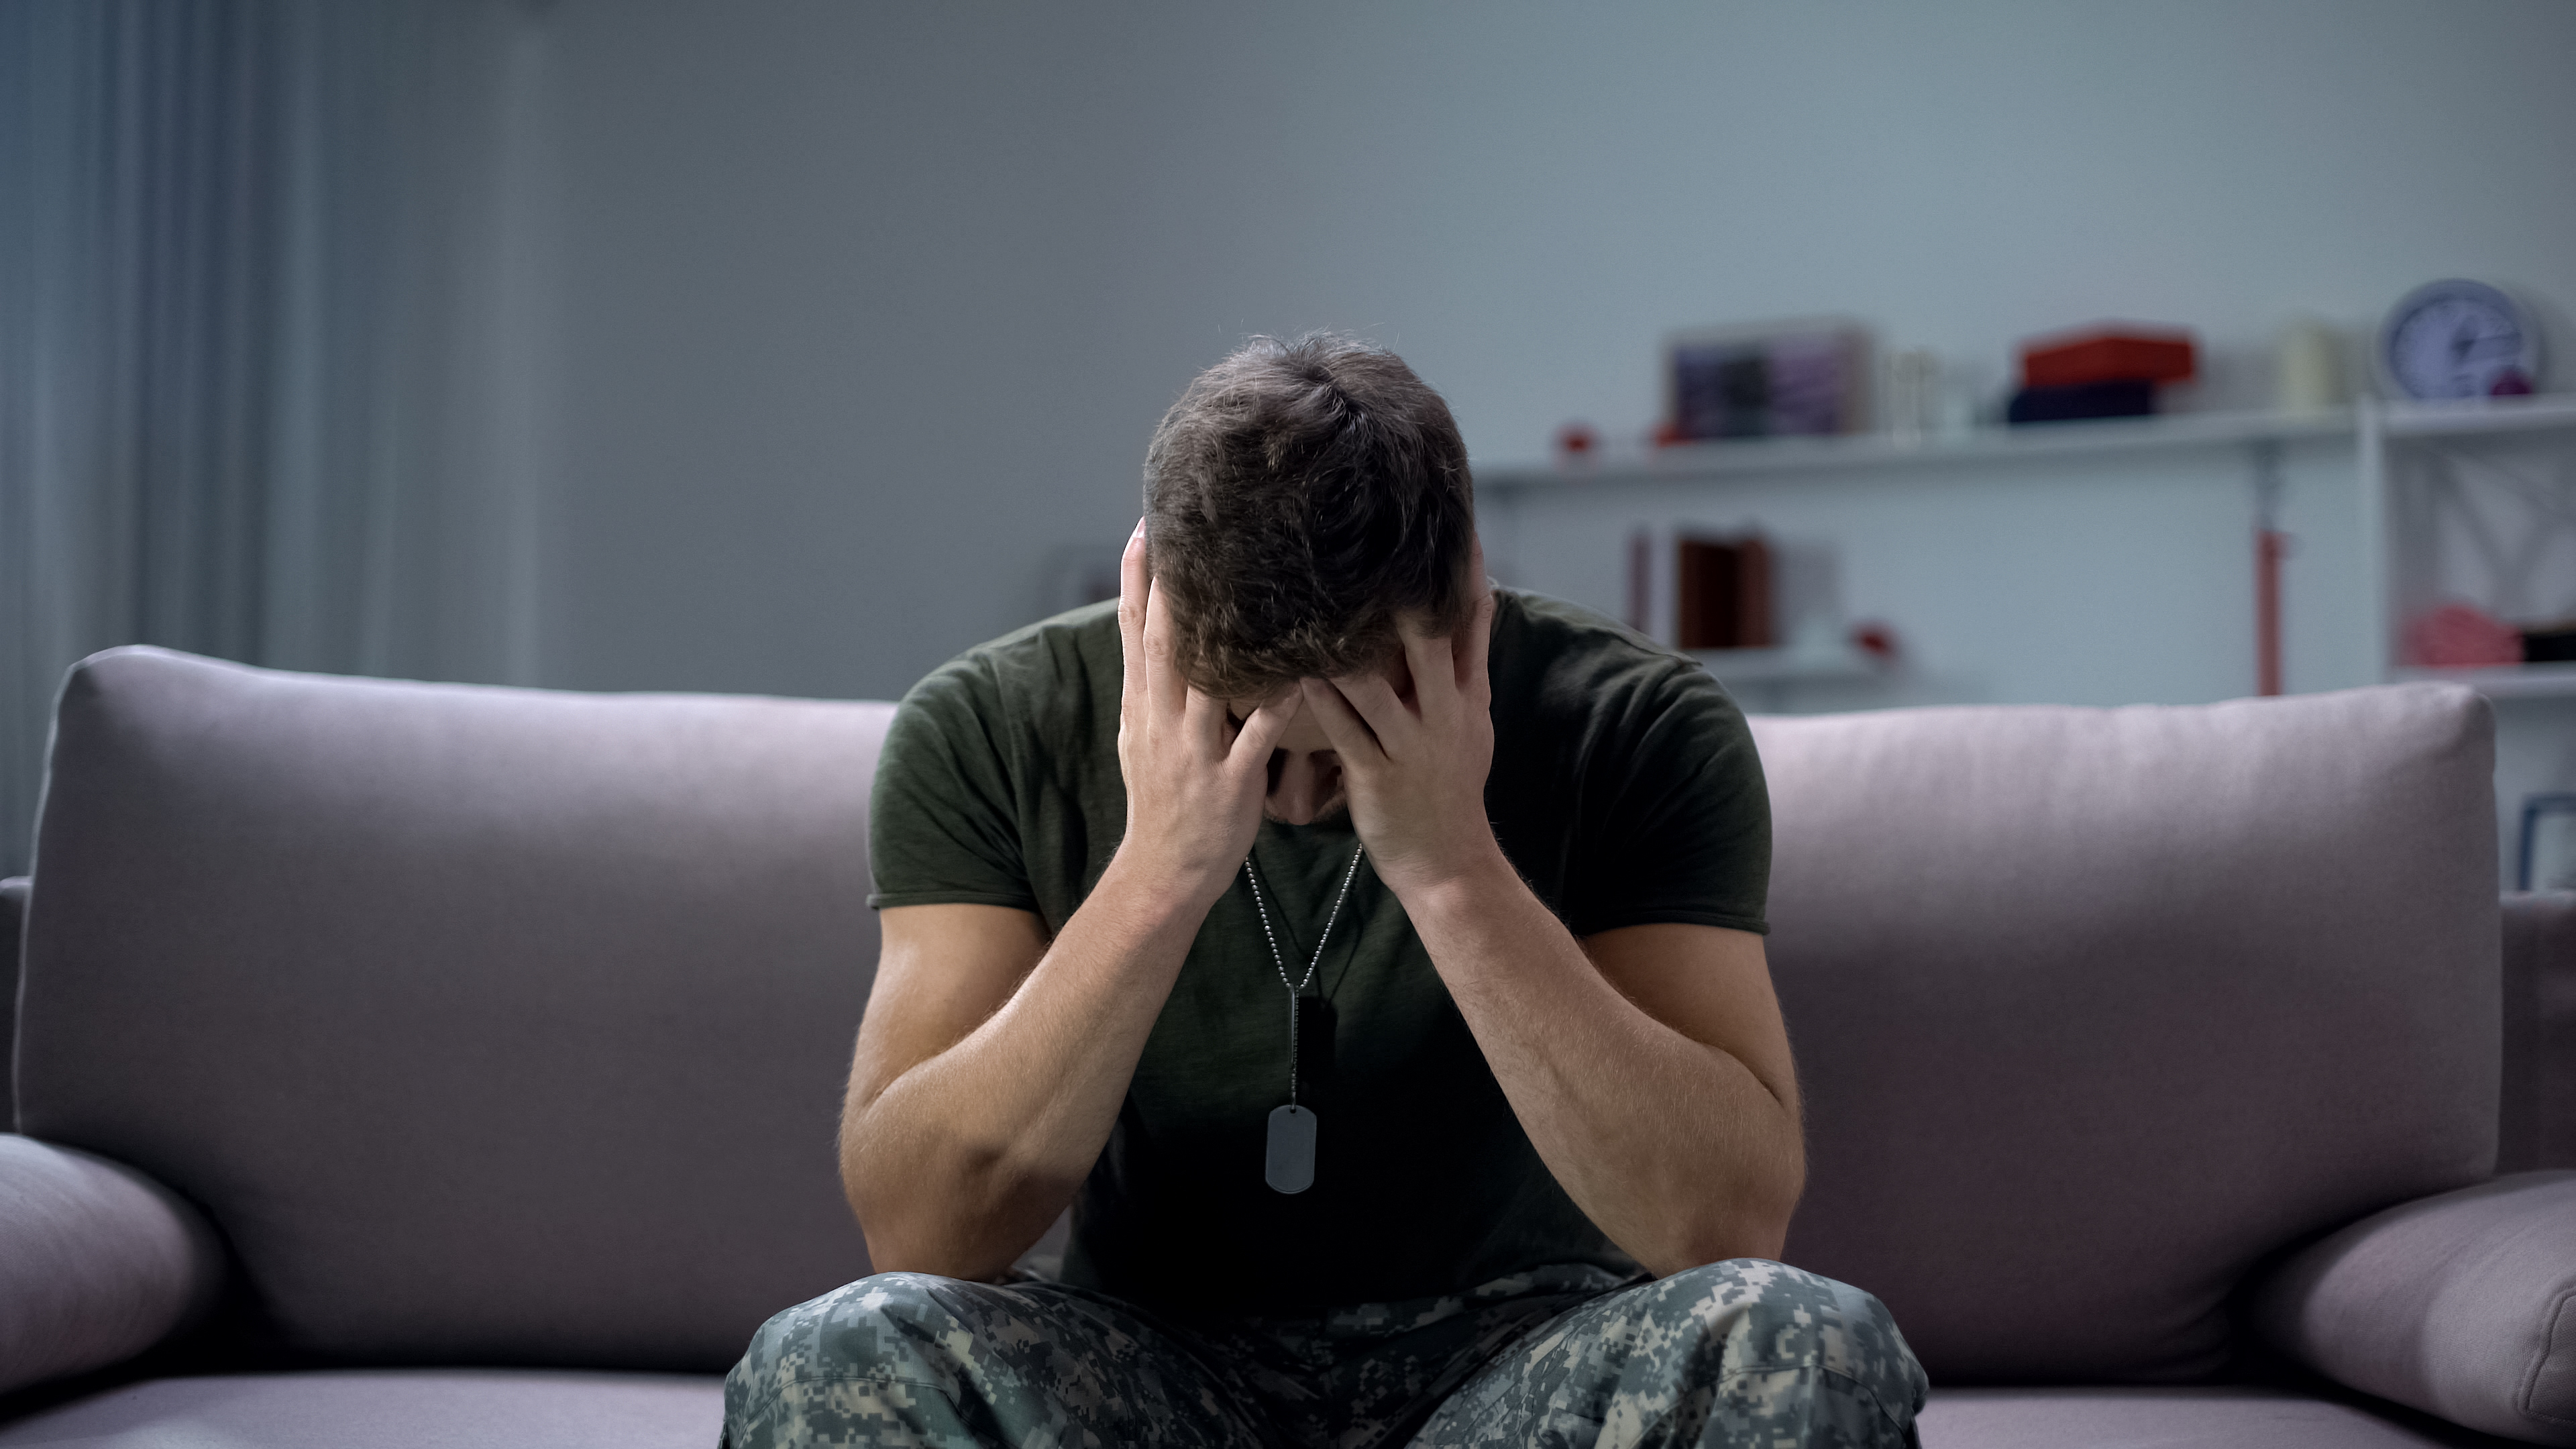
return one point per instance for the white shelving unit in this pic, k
(2506, 681)
(2397, 446)
(2429, 472)
(1778, 675)
(2425, 480)
(1865, 453)
(1878, 453)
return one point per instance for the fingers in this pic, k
(1476, 645)
(1133, 582)
(1203, 723)
(1165, 690)
(1343, 725)
(1262, 731)
(1435, 675)
(1373, 701)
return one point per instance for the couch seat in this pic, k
(2218, 1417)
(388, 1409)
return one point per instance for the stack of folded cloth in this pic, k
(2102, 372)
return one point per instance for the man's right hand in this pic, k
(993, 1060)
(1195, 780)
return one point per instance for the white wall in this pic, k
(868, 308)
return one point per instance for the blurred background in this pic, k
(791, 346)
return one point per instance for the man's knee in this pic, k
(1774, 1313)
(1763, 1320)
(1778, 1318)
(875, 1361)
(854, 1330)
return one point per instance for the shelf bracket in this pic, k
(2270, 546)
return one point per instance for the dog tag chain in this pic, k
(1289, 1164)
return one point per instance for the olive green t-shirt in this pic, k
(1625, 789)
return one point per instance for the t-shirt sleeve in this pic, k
(1683, 831)
(942, 828)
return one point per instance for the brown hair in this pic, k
(1301, 495)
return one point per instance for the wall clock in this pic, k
(2459, 339)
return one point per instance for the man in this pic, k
(1372, 959)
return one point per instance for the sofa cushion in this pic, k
(2094, 1008)
(2462, 1305)
(2179, 1418)
(97, 1264)
(487, 1025)
(417, 1409)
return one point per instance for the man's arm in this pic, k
(1649, 1065)
(990, 1068)
(991, 1062)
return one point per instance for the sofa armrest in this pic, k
(2462, 1305)
(2536, 1127)
(97, 1262)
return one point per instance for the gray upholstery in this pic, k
(2095, 1008)
(2462, 1305)
(13, 911)
(2164, 1418)
(96, 1264)
(2537, 1120)
(488, 1025)
(496, 1026)
(419, 1409)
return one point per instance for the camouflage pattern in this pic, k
(1745, 1353)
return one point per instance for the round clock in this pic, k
(2459, 339)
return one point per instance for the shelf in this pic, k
(2505, 681)
(2484, 415)
(1881, 452)
(2171, 432)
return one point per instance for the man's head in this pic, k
(1303, 498)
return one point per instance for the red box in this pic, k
(2106, 355)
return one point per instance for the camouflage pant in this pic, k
(1745, 1352)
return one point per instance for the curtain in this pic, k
(266, 302)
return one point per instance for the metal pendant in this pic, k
(1290, 1164)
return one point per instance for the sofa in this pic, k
(405, 1064)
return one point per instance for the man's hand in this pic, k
(993, 1060)
(1194, 779)
(1416, 768)
(1648, 1064)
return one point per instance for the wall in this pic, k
(869, 310)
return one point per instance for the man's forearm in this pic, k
(963, 1160)
(1673, 1147)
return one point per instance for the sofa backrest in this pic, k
(2536, 1124)
(500, 1025)
(487, 1025)
(2095, 1008)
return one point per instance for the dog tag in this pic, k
(1290, 1164)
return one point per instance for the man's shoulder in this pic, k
(1569, 628)
(1556, 657)
(1049, 679)
(1037, 660)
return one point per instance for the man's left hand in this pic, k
(1415, 768)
